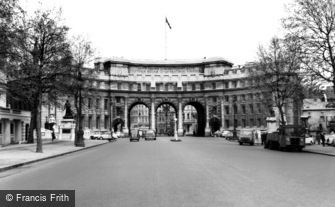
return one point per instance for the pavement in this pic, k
(17, 155)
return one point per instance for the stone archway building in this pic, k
(208, 84)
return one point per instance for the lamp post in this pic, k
(175, 131)
(234, 118)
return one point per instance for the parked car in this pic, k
(134, 135)
(246, 136)
(101, 135)
(227, 134)
(141, 133)
(309, 140)
(119, 134)
(150, 135)
(330, 139)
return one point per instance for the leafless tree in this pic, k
(277, 74)
(312, 24)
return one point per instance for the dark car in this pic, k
(135, 135)
(150, 135)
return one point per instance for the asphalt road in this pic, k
(195, 172)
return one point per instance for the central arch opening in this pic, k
(165, 116)
(138, 116)
(194, 119)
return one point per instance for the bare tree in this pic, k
(312, 23)
(77, 87)
(277, 75)
(41, 53)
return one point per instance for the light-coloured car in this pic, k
(150, 135)
(101, 135)
(227, 134)
(309, 140)
(330, 139)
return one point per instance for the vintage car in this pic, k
(246, 136)
(330, 139)
(134, 135)
(150, 135)
(309, 140)
(102, 135)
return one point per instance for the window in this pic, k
(214, 99)
(244, 124)
(251, 96)
(193, 87)
(227, 123)
(234, 84)
(243, 97)
(106, 122)
(89, 103)
(97, 105)
(259, 122)
(11, 128)
(118, 111)
(251, 122)
(147, 87)
(214, 86)
(259, 108)
(226, 98)
(251, 108)
(90, 122)
(226, 84)
(139, 88)
(242, 83)
(0, 128)
(226, 109)
(243, 109)
(119, 86)
(97, 122)
(235, 122)
(106, 104)
(235, 109)
(202, 87)
(184, 87)
(167, 87)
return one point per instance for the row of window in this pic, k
(244, 123)
(174, 87)
(243, 109)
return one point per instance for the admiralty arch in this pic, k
(220, 94)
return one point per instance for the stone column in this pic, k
(152, 113)
(222, 114)
(6, 132)
(207, 129)
(180, 118)
(18, 131)
(125, 128)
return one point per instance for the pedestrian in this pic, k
(322, 136)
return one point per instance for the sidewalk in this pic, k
(319, 149)
(13, 156)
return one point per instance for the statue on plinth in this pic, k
(68, 111)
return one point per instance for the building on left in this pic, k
(14, 122)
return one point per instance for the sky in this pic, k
(134, 29)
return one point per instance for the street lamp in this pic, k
(234, 118)
(175, 131)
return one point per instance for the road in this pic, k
(194, 172)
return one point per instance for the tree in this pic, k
(82, 54)
(312, 23)
(41, 54)
(277, 74)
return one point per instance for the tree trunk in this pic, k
(282, 117)
(38, 124)
(32, 126)
(79, 137)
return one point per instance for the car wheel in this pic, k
(240, 143)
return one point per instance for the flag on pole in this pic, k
(168, 23)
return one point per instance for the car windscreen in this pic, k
(246, 133)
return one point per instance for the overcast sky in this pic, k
(135, 29)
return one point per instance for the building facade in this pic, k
(14, 123)
(127, 93)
